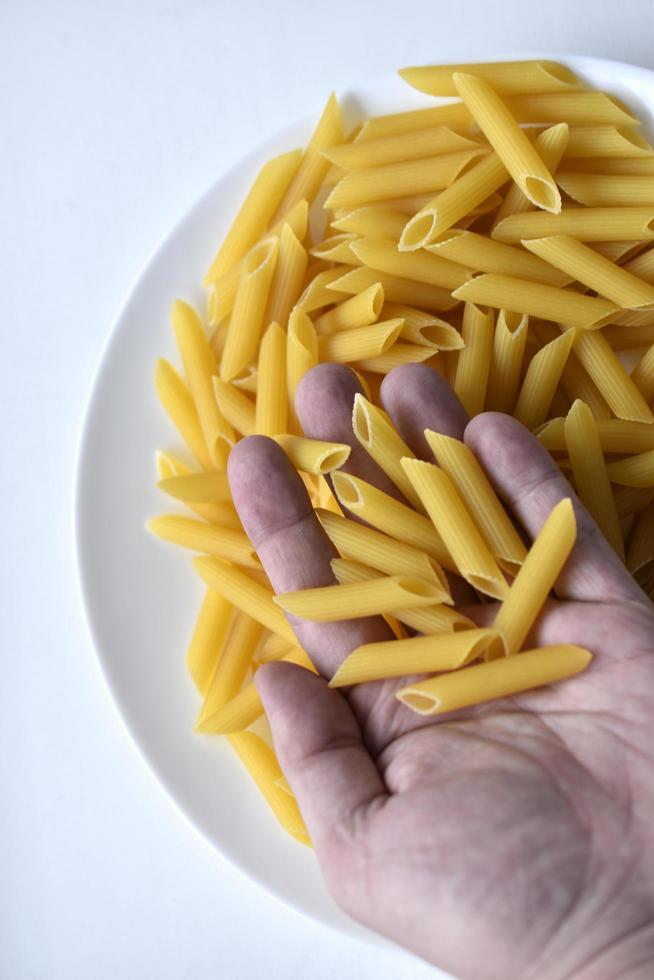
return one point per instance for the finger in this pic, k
(528, 480)
(417, 398)
(319, 747)
(324, 401)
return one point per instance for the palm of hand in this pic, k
(507, 841)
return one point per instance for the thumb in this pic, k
(319, 747)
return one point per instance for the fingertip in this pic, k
(417, 398)
(323, 388)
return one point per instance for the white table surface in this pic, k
(114, 116)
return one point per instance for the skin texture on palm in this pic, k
(513, 840)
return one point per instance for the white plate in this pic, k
(141, 595)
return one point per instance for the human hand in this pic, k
(510, 841)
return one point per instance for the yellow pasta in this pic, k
(606, 142)
(352, 345)
(271, 412)
(287, 280)
(178, 403)
(247, 319)
(618, 252)
(498, 679)
(256, 211)
(473, 364)
(398, 354)
(453, 522)
(635, 471)
(454, 114)
(316, 294)
(481, 254)
(379, 551)
(638, 166)
(541, 381)
(478, 495)
(235, 407)
(217, 512)
(234, 662)
(615, 435)
(210, 539)
(643, 375)
(301, 356)
(585, 224)
(359, 599)
(610, 377)
(261, 763)
(642, 265)
(608, 190)
(507, 77)
(509, 141)
(359, 310)
(589, 469)
(509, 341)
(624, 337)
(247, 379)
(313, 455)
(640, 557)
(423, 328)
(336, 248)
(582, 263)
(396, 289)
(378, 253)
(248, 595)
(197, 487)
(208, 638)
(455, 202)
(582, 108)
(577, 383)
(398, 179)
(390, 516)
(375, 432)
(372, 221)
(199, 367)
(537, 299)
(414, 145)
(417, 655)
(537, 577)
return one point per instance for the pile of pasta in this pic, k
(503, 237)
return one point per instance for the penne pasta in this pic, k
(209, 539)
(481, 254)
(398, 354)
(423, 328)
(316, 294)
(577, 383)
(247, 319)
(268, 189)
(359, 310)
(608, 190)
(537, 299)
(610, 377)
(510, 142)
(197, 487)
(271, 410)
(537, 577)
(631, 500)
(635, 471)
(235, 407)
(455, 114)
(541, 381)
(396, 289)
(373, 221)
(581, 262)
(643, 375)
(585, 224)
(482, 502)
(235, 585)
(218, 512)
(509, 341)
(378, 253)
(603, 141)
(288, 277)
(360, 342)
(640, 557)
(394, 180)
(498, 679)
(301, 356)
(584, 449)
(473, 364)
(623, 337)
(312, 455)
(617, 251)
(375, 432)
(247, 379)
(372, 597)
(584, 107)
(550, 146)
(615, 436)
(178, 403)
(507, 77)
(453, 522)
(642, 265)
(336, 248)
(236, 657)
(637, 166)
(417, 655)
(415, 145)
(208, 637)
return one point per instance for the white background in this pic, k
(114, 117)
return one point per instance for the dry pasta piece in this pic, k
(537, 577)
(209, 539)
(642, 265)
(218, 512)
(359, 310)
(199, 367)
(271, 411)
(541, 381)
(417, 655)
(247, 379)
(637, 166)
(482, 254)
(256, 211)
(360, 342)
(359, 599)
(316, 295)
(550, 146)
(583, 263)
(643, 375)
(390, 516)
(313, 166)
(301, 356)
(236, 657)
(507, 77)
(378, 253)
(372, 221)
(606, 142)
(460, 464)
(395, 180)
(247, 319)
(509, 341)
(396, 289)
(608, 190)
(640, 557)
(631, 500)
(537, 299)
(178, 403)
(589, 469)
(208, 637)
(585, 224)
(197, 487)
(610, 377)
(453, 522)
(622, 337)
(498, 679)
(415, 145)
(375, 432)
(509, 141)
(313, 455)
(454, 114)
(615, 435)
(423, 328)
(235, 407)
(582, 108)
(288, 277)
(577, 383)
(398, 354)
(635, 471)
(336, 248)
(473, 365)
